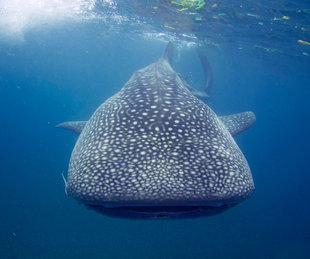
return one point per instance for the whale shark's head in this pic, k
(154, 150)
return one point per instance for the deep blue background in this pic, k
(65, 75)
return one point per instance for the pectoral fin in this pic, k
(75, 126)
(239, 122)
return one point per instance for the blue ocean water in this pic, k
(61, 67)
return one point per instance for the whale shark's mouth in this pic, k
(160, 211)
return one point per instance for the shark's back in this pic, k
(154, 143)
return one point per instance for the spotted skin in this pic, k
(155, 144)
(235, 123)
(239, 122)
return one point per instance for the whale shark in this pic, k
(154, 150)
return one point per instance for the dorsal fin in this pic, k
(168, 53)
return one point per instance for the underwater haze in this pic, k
(60, 60)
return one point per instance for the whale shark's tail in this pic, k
(207, 70)
(168, 53)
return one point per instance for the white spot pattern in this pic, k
(155, 143)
